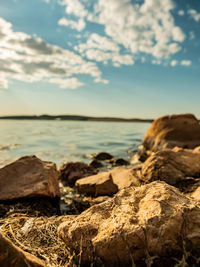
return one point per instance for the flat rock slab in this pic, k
(151, 223)
(182, 130)
(12, 256)
(97, 185)
(29, 177)
(107, 183)
(175, 167)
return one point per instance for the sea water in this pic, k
(62, 141)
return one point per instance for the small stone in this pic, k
(70, 172)
(101, 156)
(95, 164)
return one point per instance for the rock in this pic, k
(101, 156)
(98, 200)
(10, 255)
(97, 185)
(196, 194)
(72, 171)
(178, 167)
(95, 164)
(182, 130)
(118, 162)
(197, 149)
(107, 183)
(138, 226)
(124, 177)
(28, 177)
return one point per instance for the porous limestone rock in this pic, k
(10, 255)
(28, 177)
(182, 130)
(178, 167)
(107, 183)
(72, 171)
(153, 223)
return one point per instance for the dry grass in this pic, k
(38, 236)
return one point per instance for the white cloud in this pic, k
(69, 83)
(181, 12)
(96, 41)
(194, 14)
(78, 25)
(3, 83)
(191, 35)
(174, 63)
(143, 27)
(101, 56)
(74, 7)
(148, 28)
(30, 59)
(186, 62)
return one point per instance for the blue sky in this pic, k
(120, 58)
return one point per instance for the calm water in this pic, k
(62, 141)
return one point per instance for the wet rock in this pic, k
(138, 226)
(29, 177)
(118, 162)
(72, 171)
(178, 167)
(182, 130)
(97, 185)
(95, 164)
(10, 255)
(101, 156)
(107, 183)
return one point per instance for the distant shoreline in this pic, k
(72, 118)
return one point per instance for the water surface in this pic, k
(61, 141)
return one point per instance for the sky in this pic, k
(121, 58)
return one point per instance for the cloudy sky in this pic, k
(126, 58)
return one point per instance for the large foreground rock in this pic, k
(151, 223)
(181, 130)
(178, 167)
(107, 183)
(12, 256)
(28, 177)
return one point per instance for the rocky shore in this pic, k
(140, 213)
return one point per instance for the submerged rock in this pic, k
(138, 226)
(72, 171)
(29, 177)
(95, 164)
(10, 255)
(118, 162)
(101, 156)
(107, 183)
(182, 130)
(178, 167)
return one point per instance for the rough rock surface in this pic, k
(72, 171)
(140, 225)
(181, 130)
(28, 177)
(178, 167)
(10, 255)
(107, 183)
